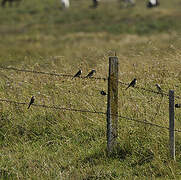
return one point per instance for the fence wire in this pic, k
(83, 77)
(88, 111)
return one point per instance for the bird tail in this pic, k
(29, 106)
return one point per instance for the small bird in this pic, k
(91, 73)
(103, 93)
(159, 89)
(177, 105)
(78, 73)
(153, 3)
(31, 101)
(132, 84)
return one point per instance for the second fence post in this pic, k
(172, 124)
(112, 105)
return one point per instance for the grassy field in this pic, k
(40, 143)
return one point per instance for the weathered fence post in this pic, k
(112, 105)
(171, 124)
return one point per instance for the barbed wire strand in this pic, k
(88, 111)
(83, 77)
(149, 90)
(50, 74)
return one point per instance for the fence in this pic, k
(112, 104)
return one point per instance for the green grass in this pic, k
(44, 143)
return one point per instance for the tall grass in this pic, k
(44, 143)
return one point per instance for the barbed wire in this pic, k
(150, 90)
(50, 74)
(83, 77)
(88, 111)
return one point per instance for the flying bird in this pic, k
(132, 84)
(91, 73)
(159, 89)
(153, 3)
(103, 93)
(78, 73)
(31, 101)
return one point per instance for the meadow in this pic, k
(45, 143)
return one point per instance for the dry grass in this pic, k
(44, 143)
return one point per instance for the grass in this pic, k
(44, 143)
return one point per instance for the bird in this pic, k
(103, 93)
(159, 89)
(152, 3)
(177, 105)
(132, 84)
(91, 73)
(31, 101)
(78, 73)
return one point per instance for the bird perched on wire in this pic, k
(132, 84)
(31, 101)
(91, 73)
(159, 89)
(177, 105)
(103, 93)
(78, 73)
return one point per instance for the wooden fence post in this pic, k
(112, 105)
(171, 124)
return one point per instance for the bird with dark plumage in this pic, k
(103, 93)
(177, 105)
(153, 3)
(31, 101)
(91, 73)
(78, 73)
(132, 84)
(158, 87)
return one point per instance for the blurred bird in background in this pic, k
(31, 101)
(132, 84)
(91, 73)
